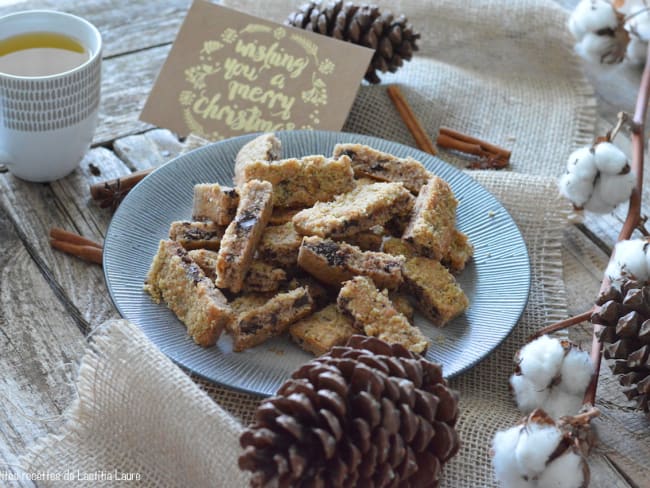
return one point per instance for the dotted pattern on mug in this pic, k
(40, 105)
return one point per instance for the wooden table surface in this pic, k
(49, 301)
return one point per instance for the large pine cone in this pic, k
(368, 414)
(625, 311)
(393, 40)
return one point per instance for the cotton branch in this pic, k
(633, 221)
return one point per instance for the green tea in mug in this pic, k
(40, 54)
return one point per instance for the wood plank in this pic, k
(584, 264)
(126, 26)
(66, 203)
(148, 150)
(39, 368)
(605, 474)
(34, 209)
(73, 192)
(41, 345)
(126, 82)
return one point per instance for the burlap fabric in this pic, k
(495, 68)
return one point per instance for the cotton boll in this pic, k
(503, 446)
(522, 456)
(581, 163)
(609, 159)
(563, 472)
(574, 189)
(560, 403)
(596, 205)
(504, 461)
(629, 261)
(576, 372)
(535, 446)
(594, 15)
(576, 28)
(636, 51)
(639, 24)
(540, 360)
(527, 395)
(594, 47)
(614, 189)
(630, 6)
(516, 481)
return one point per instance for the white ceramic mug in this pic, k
(47, 122)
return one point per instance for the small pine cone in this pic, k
(367, 414)
(625, 314)
(393, 40)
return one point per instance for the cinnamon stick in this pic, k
(58, 234)
(76, 245)
(449, 142)
(492, 156)
(91, 254)
(422, 140)
(111, 192)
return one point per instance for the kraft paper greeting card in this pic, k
(229, 73)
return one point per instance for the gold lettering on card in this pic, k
(254, 79)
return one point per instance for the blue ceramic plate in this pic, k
(497, 281)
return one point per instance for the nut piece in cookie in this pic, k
(243, 234)
(323, 330)
(432, 224)
(257, 324)
(398, 247)
(303, 182)
(370, 163)
(279, 245)
(178, 281)
(436, 293)
(196, 235)
(335, 262)
(356, 211)
(373, 312)
(460, 252)
(266, 147)
(215, 203)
